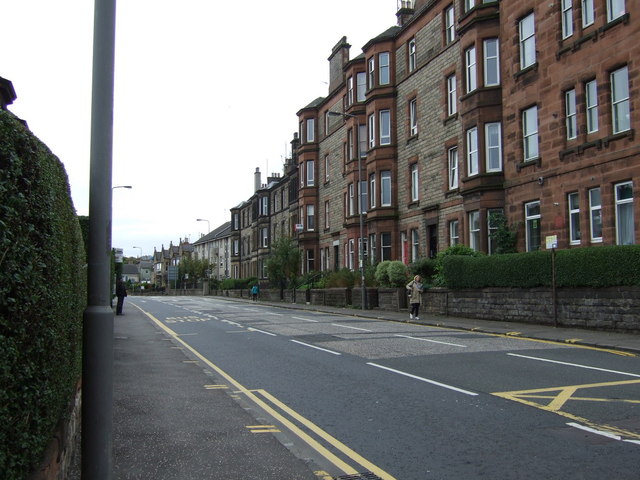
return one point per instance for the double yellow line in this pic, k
(260, 399)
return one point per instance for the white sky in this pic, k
(205, 92)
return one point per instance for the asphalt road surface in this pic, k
(410, 402)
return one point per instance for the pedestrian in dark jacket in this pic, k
(121, 292)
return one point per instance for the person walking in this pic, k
(415, 288)
(255, 290)
(121, 292)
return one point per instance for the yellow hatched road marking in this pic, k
(564, 394)
(337, 462)
(216, 387)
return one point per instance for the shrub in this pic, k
(42, 297)
(397, 273)
(454, 250)
(601, 266)
(343, 278)
(382, 274)
(425, 267)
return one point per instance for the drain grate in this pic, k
(359, 476)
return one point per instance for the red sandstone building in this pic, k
(461, 110)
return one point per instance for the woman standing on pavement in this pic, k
(415, 289)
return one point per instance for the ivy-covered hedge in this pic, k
(42, 297)
(603, 266)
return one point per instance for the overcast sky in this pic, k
(205, 92)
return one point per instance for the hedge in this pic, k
(42, 297)
(601, 266)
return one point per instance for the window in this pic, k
(326, 168)
(236, 247)
(372, 255)
(413, 117)
(372, 130)
(474, 230)
(327, 218)
(350, 154)
(532, 220)
(351, 209)
(624, 214)
(470, 58)
(372, 72)
(588, 16)
(491, 62)
(323, 260)
(350, 91)
(527, 41)
(385, 127)
(265, 206)
(385, 188)
(351, 254)
(411, 53)
(361, 86)
(385, 246)
(595, 216)
(570, 112)
(414, 182)
(615, 9)
(383, 58)
(573, 201)
(362, 251)
(452, 100)
(363, 201)
(449, 25)
(469, 4)
(530, 133)
(591, 98)
(301, 174)
(265, 237)
(311, 173)
(472, 151)
(311, 212)
(311, 257)
(372, 190)
(454, 233)
(362, 137)
(311, 130)
(493, 145)
(415, 245)
(567, 18)
(235, 221)
(453, 168)
(620, 100)
(493, 217)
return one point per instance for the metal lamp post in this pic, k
(360, 205)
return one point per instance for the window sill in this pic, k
(524, 71)
(529, 163)
(450, 118)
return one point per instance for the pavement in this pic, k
(167, 425)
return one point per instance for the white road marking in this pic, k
(305, 319)
(574, 365)
(431, 341)
(317, 348)
(352, 328)
(422, 379)
(251, 329)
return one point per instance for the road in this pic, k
(394, 400)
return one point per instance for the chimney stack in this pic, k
(257, 180)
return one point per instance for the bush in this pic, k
(454, 250)
(602, 266)
(42, 297)
(398, 274)
(382, 273)
(343, 278)
(425, 267)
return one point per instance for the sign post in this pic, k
(552, 244)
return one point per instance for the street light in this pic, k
(140, 251)
(205, 220)
(121, 186)
(360, 205)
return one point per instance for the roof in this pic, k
(223, 230)
(388, 34)
(130, 269)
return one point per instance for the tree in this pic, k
(505, 236)
(283, 263)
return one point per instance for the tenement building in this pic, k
(461, 111)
